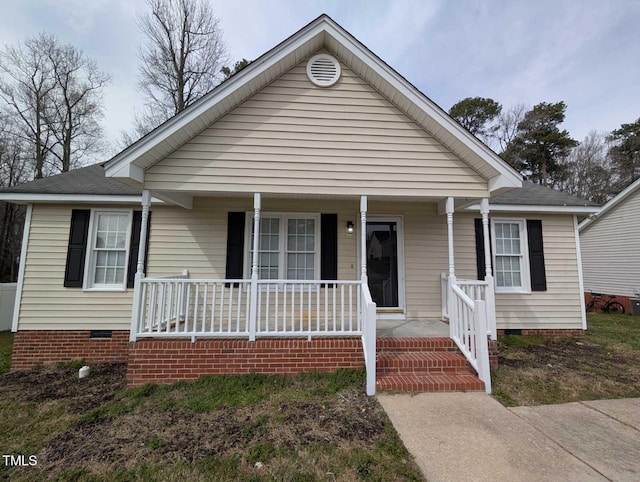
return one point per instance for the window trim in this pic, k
(525, 275)
(284, 217)
(89, 266)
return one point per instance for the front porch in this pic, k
(253, 308)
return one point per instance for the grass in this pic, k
(230, 428)
(604, 364)
(6, 342)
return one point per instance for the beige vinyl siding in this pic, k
(611, 250)
(46, 304)
(293, 137)
(556, 308)
(196, 239)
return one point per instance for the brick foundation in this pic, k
(625, 300)
(45, 347)
(549, 334)
(493, 354)
(167, 361)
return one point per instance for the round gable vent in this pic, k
(323, 70)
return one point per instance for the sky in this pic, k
(583, 52)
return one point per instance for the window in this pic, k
(510, 259)
(287, 247)
(108, 250)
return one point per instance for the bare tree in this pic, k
(181, 58)
(507, 125)
(26, 87)
(588, 169)
(77, 106)
(13, 170)
(54, 95)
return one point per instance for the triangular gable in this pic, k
(130, 165)
(293, 137)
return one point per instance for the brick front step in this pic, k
(430, 383)
(421, 362)
(439, 344)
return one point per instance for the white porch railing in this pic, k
(308, 308)
(476, 290)
(468, 329)
(369, 338)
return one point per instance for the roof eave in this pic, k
(530, 208)
(33, 198)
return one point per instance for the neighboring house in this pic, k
(610, 249)
(271, 224)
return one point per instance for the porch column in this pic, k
(484, 211)
(451, 280)
(449, 210)
(142, 247)
(146, 202)
(488, 277)
(363, 239)
(253, 309)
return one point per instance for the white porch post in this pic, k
(449, 210)
(142, 247)
(253, 308)
(363, 239)
(452, 270)
(490, 294)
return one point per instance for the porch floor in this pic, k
(411, 328)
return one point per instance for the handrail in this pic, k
(468, 329)
(369, 338)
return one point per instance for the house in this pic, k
(271, 225)
(611, 255)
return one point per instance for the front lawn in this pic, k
(604, 364)
(243, 428)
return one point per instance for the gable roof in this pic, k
(323, 32)
(90, 184)
(626, 193)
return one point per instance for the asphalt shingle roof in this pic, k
(91, 180)
(535, 195)
(86, 180)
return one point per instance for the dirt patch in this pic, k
(561, 357)
(62, 383)
(565, 371)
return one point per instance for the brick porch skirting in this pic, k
(45, 347)
(167, 361)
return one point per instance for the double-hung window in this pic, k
(108, 250)
(510, 256)
(288, 247)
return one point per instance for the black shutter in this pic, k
(134, 247)
(536, 255)
(235, 245)
(480, 249)
(329, 246)
(77, 249)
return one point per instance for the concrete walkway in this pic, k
(471, 436)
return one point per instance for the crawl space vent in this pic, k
(323, 70)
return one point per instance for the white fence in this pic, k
(7, 303)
